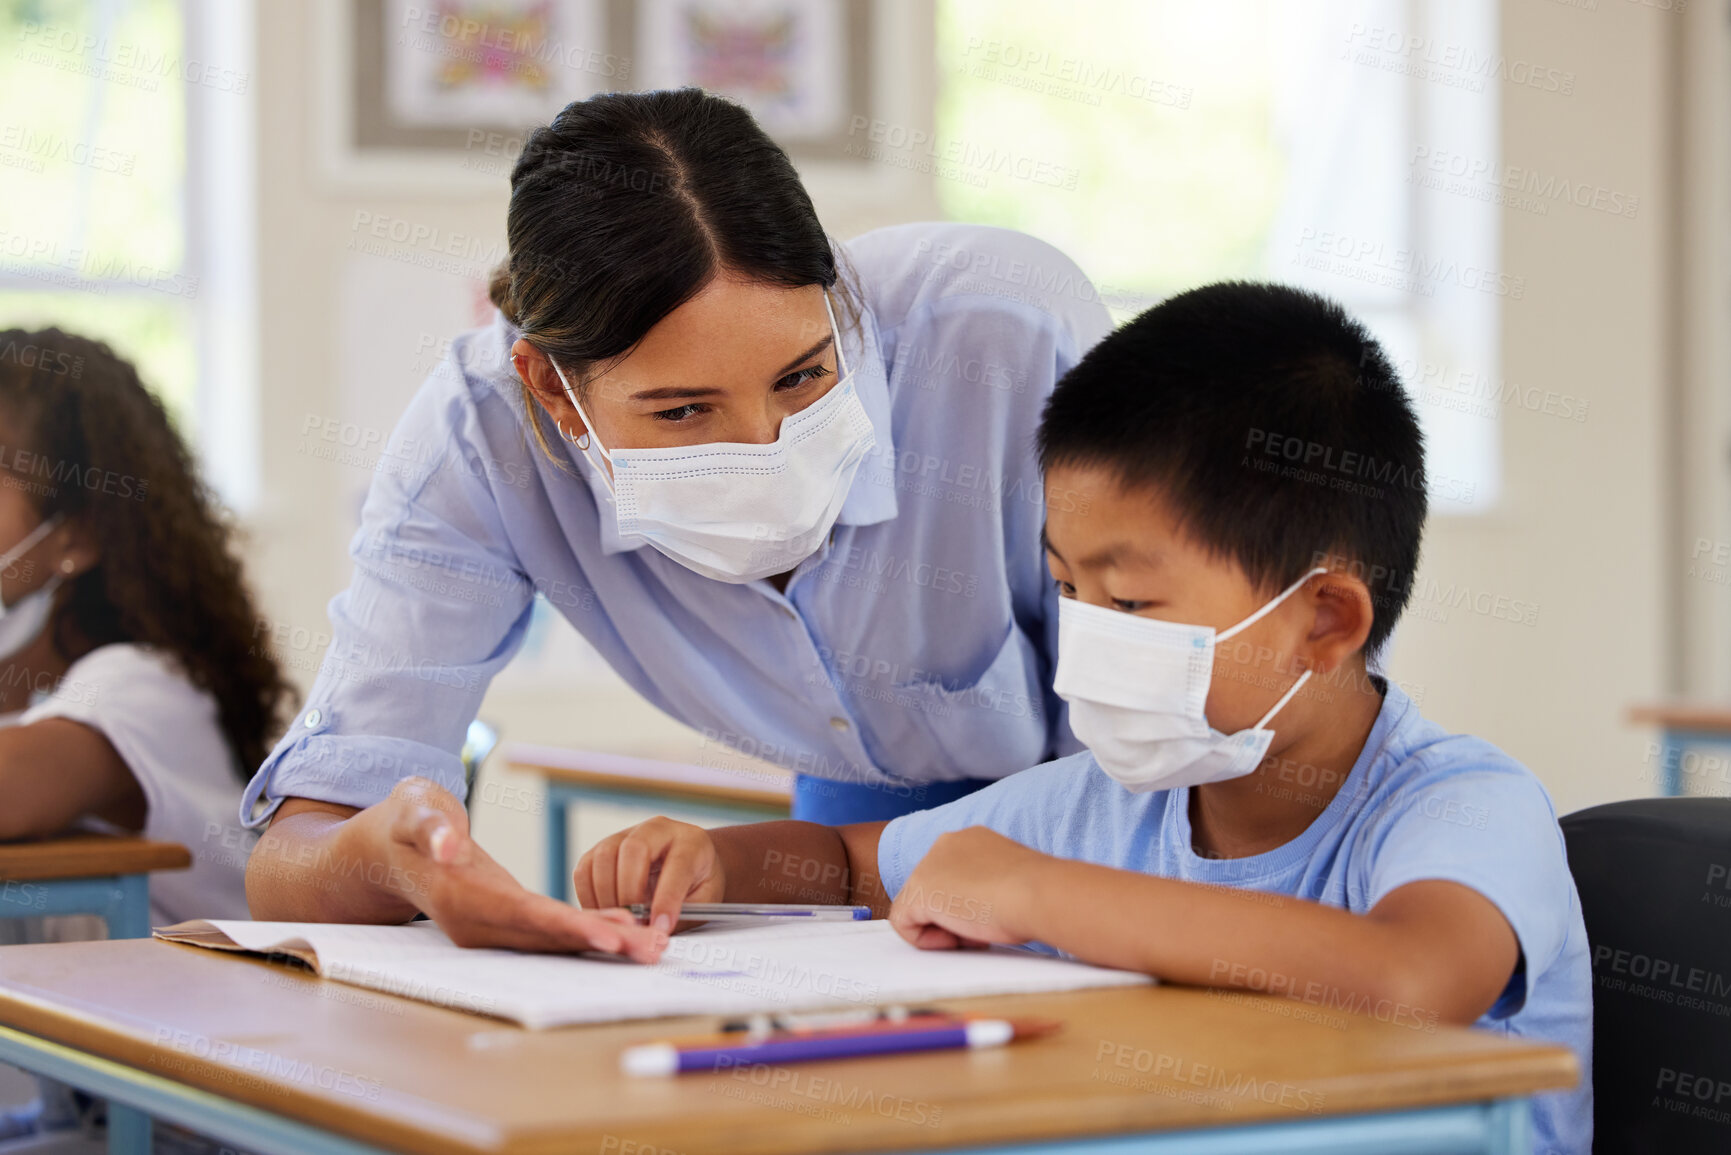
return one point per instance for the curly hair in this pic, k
(102, 452)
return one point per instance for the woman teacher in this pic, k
(786, 488)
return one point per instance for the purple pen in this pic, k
(672, 1059)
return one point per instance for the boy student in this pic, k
(1215, 619)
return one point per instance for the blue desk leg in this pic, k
(1511, 1127)
(128, 913)
(128, 916)
(558, 838)
(128, 1130)
(1670, 764)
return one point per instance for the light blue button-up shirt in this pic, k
(917, 645)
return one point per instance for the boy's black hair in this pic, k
(1271, 421)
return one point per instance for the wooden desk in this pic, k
(267, 1057)
(755, 793)
(1682, 725)
(86, 874)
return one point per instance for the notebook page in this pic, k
(344, 943)
(731, 970)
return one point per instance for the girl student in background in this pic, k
(133, 697)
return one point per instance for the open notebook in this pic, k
(731, 970)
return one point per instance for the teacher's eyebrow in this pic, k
(674, 391)
(682, 392)
(805, 356)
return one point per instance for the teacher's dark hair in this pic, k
(628, 204)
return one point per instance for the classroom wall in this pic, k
(1582, 532)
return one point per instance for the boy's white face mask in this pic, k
(737, 512)
(1138, 691)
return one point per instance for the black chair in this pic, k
(1654, 875)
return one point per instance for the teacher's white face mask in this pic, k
(737, 512)
(1138, 691)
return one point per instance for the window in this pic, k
(124, 157)
(1345, 145)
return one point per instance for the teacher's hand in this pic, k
(475, 900)
(413, 851)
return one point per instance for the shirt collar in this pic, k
(871, 498)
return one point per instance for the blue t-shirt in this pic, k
(1420, 803)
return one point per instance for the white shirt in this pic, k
(167, 732)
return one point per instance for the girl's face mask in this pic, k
(23, 620)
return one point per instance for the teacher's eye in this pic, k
(801, 378)
(682, 413)
(1065, 589)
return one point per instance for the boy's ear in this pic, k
(1344, 613)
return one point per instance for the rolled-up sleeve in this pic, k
(437, 606)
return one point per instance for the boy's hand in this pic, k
(661, 862)
(970, 890)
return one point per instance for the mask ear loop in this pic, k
(835, 329)
(29, 541)
(24, 546)
(1222, 635)
(588, 438)
(1284, 698)
(1258, 616)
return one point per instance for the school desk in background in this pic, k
(86, 874)
(750, 792)
(1684, 727)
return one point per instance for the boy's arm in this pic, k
(803, 862)
(667, 864)
(1429, 951)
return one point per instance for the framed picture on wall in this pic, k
(803, 67)
(445, 90)
(418, 90)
